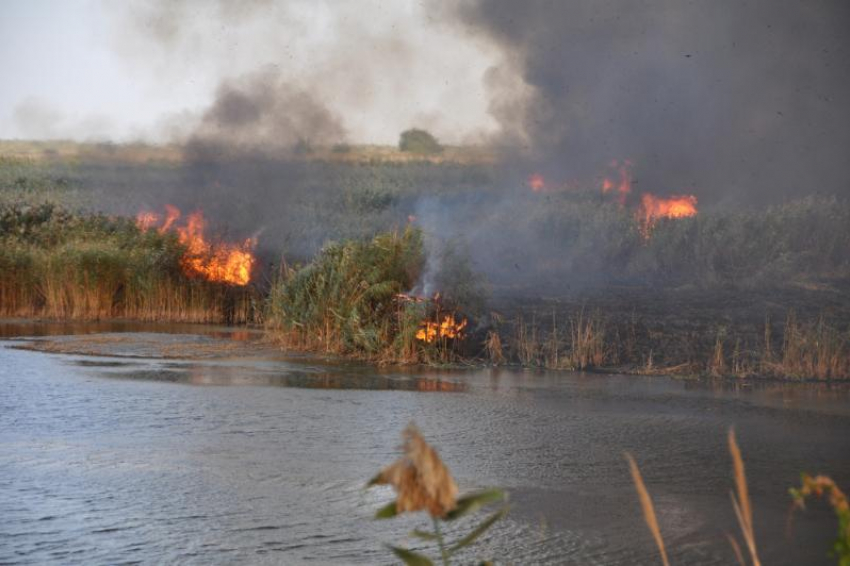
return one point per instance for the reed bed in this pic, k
(55, 264)
(350, 300)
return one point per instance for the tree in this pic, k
(419, 141)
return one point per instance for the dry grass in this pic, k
(526, 344)
(493, 347)
(815, 350)
(648, 508)
(587, 348)
(741, 501)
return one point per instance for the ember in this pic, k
(219, 262)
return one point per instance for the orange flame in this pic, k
(652, 208)
(220, 262)
(623, 184)
(536, 182)
(449, 328)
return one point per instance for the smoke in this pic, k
(749, 100)
(380, 67)
(735, 102)
(263, 114)
(36, 118)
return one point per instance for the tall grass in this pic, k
(55, 264)
(347, 300)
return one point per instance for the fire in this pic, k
(652, 208)
(536, 182)
(219, 262)
(448, 328)
(622, 184)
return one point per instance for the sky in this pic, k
(94, 70)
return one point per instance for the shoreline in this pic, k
(209, 342)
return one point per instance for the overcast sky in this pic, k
(94, 70)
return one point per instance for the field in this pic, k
(562, 278)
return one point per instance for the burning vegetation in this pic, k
(217, 262)
(558, 243)
(448, 328)
(653, 208)
(618, 183)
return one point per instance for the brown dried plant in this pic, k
(420, 478)
(648, 508)
(423, 483)
(741, 502)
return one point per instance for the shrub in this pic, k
(345, 300)
(419, 141)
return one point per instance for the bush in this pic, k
(345, 300)
(419, 141)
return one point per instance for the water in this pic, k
(107, 460)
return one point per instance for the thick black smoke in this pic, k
(746, 100)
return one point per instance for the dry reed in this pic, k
(741, 502)
(648, 508)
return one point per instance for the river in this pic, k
(126, 456)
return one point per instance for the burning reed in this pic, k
(56, 264)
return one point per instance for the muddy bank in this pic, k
(239, 343)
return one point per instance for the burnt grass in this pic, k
(675, 330)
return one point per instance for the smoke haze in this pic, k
(723, 98)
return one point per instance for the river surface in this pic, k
(125, 456)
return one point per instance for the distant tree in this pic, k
(419, 141)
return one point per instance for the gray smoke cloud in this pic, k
(263, 114)
(723, 98)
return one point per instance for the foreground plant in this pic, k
(819, 486)
(740, 502)
(423, 483)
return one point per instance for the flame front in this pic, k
(448, 328)
(622, 185)
(652, 208)
(219, 262)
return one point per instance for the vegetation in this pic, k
(351, 300)
(419, 141)
(423, 483)
(818, 486)
(61, 265)
(702, 286)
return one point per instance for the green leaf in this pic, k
(473, 502)
(411, 558)
(424, 535)
(388, 511)
(479, 530)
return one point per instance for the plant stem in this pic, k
(443, 554)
